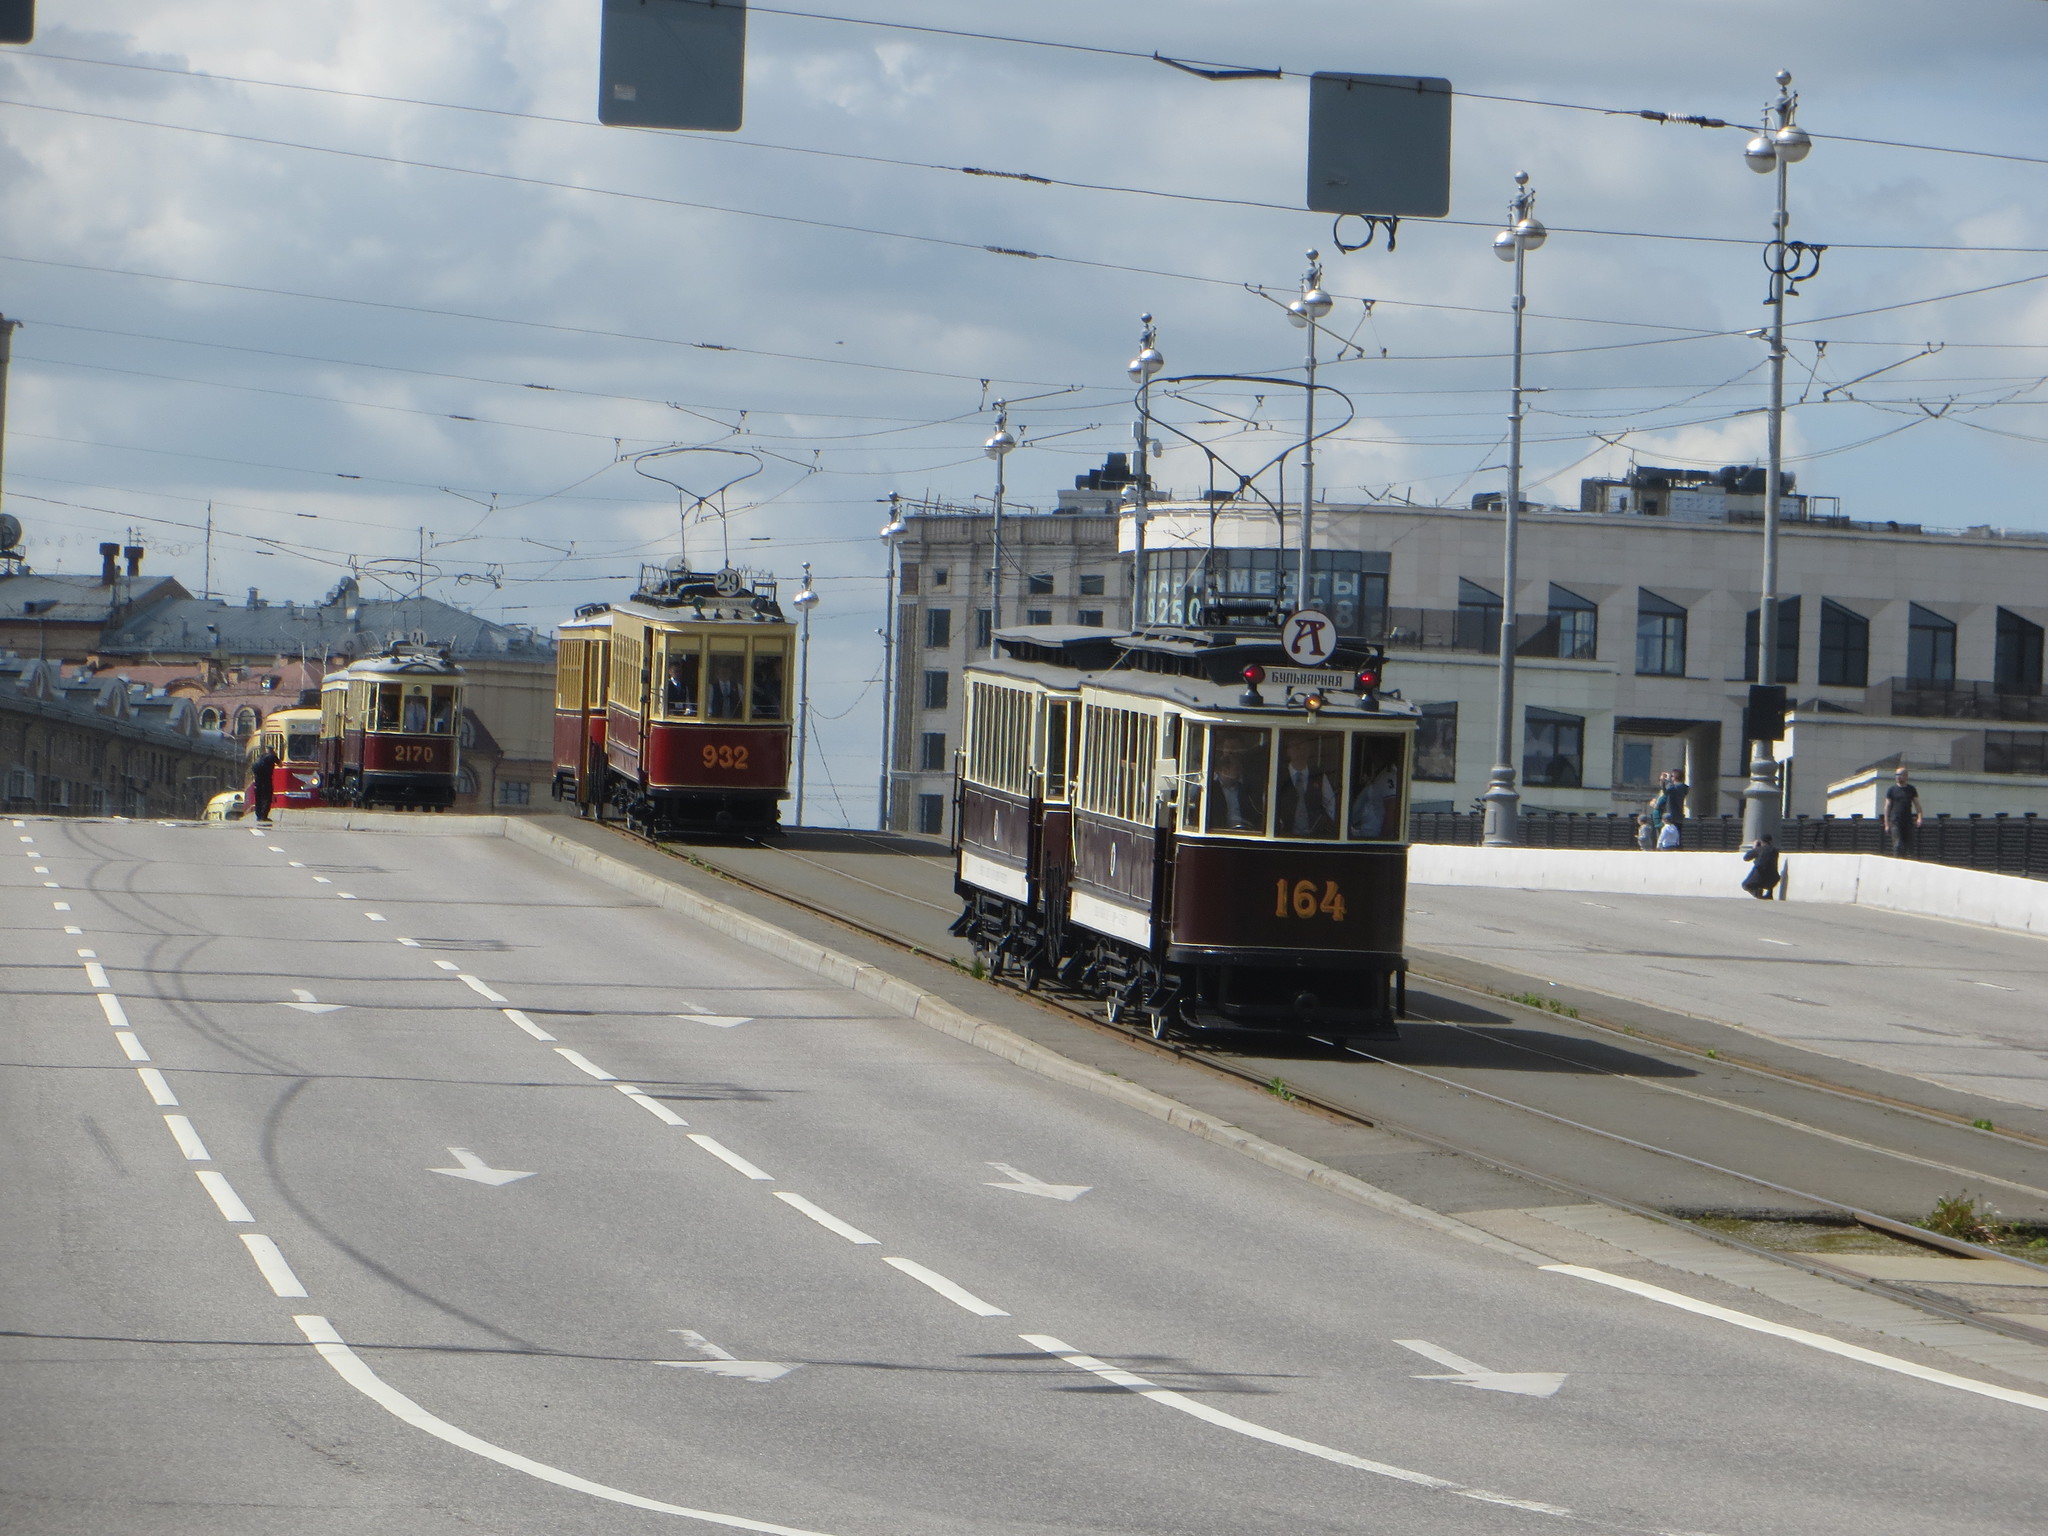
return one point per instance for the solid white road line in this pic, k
(96, 974)
(731, 1158)
(350, 1367)
(110, 1005)
(1801, 1336)
(826, 1219)
(130, 1046)
(1222, 1420)
(959, 1295)
(527, 1024)
(159, 1090)
(187, 1139)
(654, 1107)
(581, 1062)
(272, 1266)
(481, 990)
(224, 1196)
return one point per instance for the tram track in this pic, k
(1260, 1072)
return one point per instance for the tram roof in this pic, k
(1279, 701)
(399, 661)
(712, 610)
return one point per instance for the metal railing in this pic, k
(1997, 844)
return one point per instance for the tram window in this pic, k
(725, 685)
(1375, 785)
(1311, 777)
(1238, 775)
(768, 685)
(444, 709)
(1194, 742)
(679, 690)
(387, 707)
(598, 674)
(301, 746)
(415, 716)
(1056, 749)
(569, 675)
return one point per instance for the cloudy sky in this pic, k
(353, 270)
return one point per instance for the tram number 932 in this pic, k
(1303, 899)
(725, 755)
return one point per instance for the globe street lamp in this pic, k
(1305, 313)
(806, 599)
(1503, 822)
(1141, 368)
(999, 447)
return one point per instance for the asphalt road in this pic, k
(661, 1325)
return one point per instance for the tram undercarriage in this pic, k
(659, 813)
(1310, 997)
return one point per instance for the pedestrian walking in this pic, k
(1669, 806)
(1902, 814)
(1667, 835)
(262, 780)
(1763, 876)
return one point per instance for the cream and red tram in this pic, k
(293, 737)
(387, 730)
(1234, 845)
(583, 675)
(696, 705)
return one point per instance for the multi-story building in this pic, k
(1899, 642)
(1059, 568)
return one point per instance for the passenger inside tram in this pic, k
(1313, 766)
(728, 686)
(679, 695)
(1237, 779)
(1375, 785)
(767, 703)
(444, 711)
(415, 719)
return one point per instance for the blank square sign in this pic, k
(1379, 144)
(672, 64)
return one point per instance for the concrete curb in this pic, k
(934, 1012)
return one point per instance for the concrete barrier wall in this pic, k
(1898, 885)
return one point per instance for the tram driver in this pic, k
(679, 694)
(1237, 781)
(1307, 801)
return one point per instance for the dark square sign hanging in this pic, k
(672, 64)
(1379, 144)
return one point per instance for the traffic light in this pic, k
(17, 21)
(671, 64)
(1763, 718)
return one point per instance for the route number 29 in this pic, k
(725, 755)
(1300, 898)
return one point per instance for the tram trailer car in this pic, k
(1185, 825)
(293, 736)
(695, 678)
(387, 730)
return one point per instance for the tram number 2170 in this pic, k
(725, 755)
(1303, 899)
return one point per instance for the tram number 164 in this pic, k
(1302, 899)
(725, 755)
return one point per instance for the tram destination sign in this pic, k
(1321, 677)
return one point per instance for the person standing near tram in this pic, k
(262, 778)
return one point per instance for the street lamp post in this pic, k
(1780, 146)
(1503, 823)
(1147, 363)
(1306, 312)
(999, 447)
(806, 599)
(891, 533)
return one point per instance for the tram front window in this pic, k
(679, 694)
(1311, 770)
(387, 707)
(415, 714)
(767, 704)
(726, 685)
(301, 746)
(1238, 779)
(1375, 785)
(443, 722)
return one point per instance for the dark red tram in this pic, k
(1183, 824)
(672, 710)
(387, 730)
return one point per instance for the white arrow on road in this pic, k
(1469, 1373)
(1029, 1184)
(307, 1003)
(474, 1167)
(717, 1020)
(722, 1363)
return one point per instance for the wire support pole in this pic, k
(999, 447)
(806, 599)
(1138, 493)
(892, 532)
(1503, 802)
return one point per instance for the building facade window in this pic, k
(1039, 585)
(1930, 647)
(1788, 643)
(1660, 636)
(938, 628)
(2016, 663)
(931, 815)
(984, 629)
(1576, 621)
(1436, 744)
(1089, 618)
(1479, 610)
(941, 576)
(909, 578)
(209, 719)
(1091, 585)
(1553, 749)
(1844, 646)
(1349, 585)
(246, 722)
(937, 689)
(1037, 615)
(931, 751)
(514, 792)
(2016, 752)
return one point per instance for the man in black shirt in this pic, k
(1901, 815)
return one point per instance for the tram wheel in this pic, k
(1029, 974)
(1159, 1022)
(1113, 1009)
